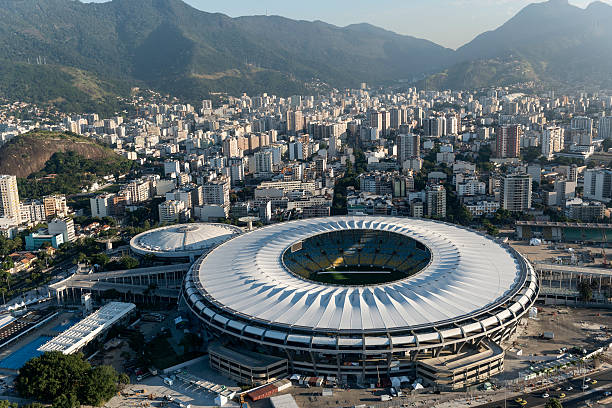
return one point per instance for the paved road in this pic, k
(573, 399)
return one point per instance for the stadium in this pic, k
(362, 299)
(187, 241)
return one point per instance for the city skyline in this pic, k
(461, 20)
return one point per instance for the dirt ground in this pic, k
(154, 390)
(572, 327)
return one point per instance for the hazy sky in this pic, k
(451, 23)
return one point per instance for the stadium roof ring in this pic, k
(464, 287)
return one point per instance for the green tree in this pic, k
(51, 375)
(128, 262)
(553, 403)
(65, 380)
(66, 401)
(99, 386)
(124, 379)
(586, 293)
(81, 257)
(99, 259)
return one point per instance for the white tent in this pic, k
(417, 386)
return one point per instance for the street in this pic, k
(574, 398)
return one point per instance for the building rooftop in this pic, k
(468, 272)
(183, 240)
(79, 335)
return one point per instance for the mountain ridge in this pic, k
(177, 49)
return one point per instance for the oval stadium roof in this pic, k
(183, 240)
(468, 273)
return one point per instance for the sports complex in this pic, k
(360, 298)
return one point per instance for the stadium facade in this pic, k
(360, 298)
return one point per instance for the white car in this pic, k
(545, 395)
(585, 387)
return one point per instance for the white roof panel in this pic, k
(468, 272)
(183, 239)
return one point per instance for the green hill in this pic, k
(52, 162)
(482, 73)
(69, 89)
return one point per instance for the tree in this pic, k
(99, 259)
(128, 262)
(586, 293)
(99, 386)
(124, 378)
(65, 380)
(50, 375)
(66, 401)
(553, 403)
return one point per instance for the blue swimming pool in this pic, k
(18, 358)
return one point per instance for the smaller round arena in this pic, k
(183, 240)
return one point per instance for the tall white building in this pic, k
(604, 129)
(33, 211)
(582, 130)
(452, 125)
(408, 147)
(170, 211)
(296, 151)
(101, 205)
(515, 192)
(332, 149)
(217, 192)
(552, 141)
(435, 126)
(264, 162)
(10, 208)
(236, 170)
(139, 191)
(64, 226)
(172, 166)
(598, 184)
(436, 201)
